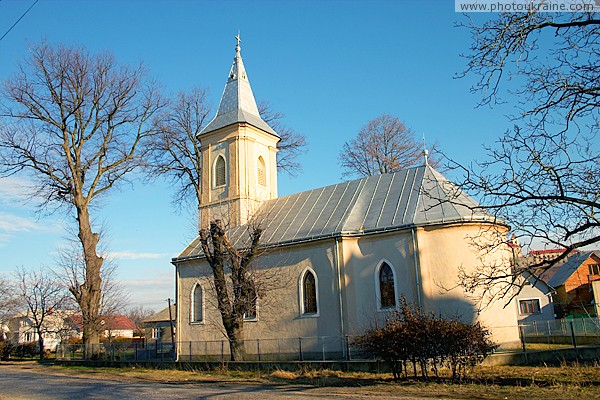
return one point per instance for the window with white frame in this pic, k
(387, 290)
(156, 333)
(197, 304)
(308, 290)
(529, 306)
(220, 171)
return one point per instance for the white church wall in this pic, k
(443, 252)
(362, 258)
(279, 311)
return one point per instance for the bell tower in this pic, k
(239, 166)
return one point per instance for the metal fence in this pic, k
(121, 351)
(563, 327)
(323, 348)
(567, 332)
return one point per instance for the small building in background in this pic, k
(157, 327)
(573, 284)
(535, 300)
(113, 326)
(21, 329)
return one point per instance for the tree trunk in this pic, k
(89, 296)
(41, 345)
(236, 343)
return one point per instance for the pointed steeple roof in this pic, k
(237, 102)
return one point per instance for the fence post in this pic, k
(223, 351)
(135, 347)
(258, 349)
(300, 348)
(190, 354)
(574, 339)
(347, 346)
(522, 334)
(323, 347)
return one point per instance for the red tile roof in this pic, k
(116, 322)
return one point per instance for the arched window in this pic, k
(309, 293)
(197, 304)
(261, 172)
(251, 313)
(220, 171)
(387, 293)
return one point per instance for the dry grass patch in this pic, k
(484, 382)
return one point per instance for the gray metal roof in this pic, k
(237, 101)
(162, 315)
(569, 268)
(413, 197)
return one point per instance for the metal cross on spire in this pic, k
(425, 151)
(239, 40)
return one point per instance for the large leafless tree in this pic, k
(70, 270)
(76, 124)
(382, 146)
(542, 176)
(42, 295)
(234, 279)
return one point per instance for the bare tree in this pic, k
(9, 301)
(541, 177)
(42, 295)
(382, 146)
(77, 124)
(138, 313)
(71, 271)
(234, 298)
(176, 149)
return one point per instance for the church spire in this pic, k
(237, 101)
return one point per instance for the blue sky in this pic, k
(329, 66)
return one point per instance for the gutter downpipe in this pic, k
(177, 322)
(338, 268)
(417, 269)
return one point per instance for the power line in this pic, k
(13, 25)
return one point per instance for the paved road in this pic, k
(35, 382)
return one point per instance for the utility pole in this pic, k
(171, 323)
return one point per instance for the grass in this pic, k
(497, 382)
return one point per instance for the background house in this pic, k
(113, 326)
(20, 329)
(157, 327)
(573, 284)
(535, 301)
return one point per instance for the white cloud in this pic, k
(132, 255)
(14, 223)
(14, 190)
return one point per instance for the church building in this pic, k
(338, 258)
